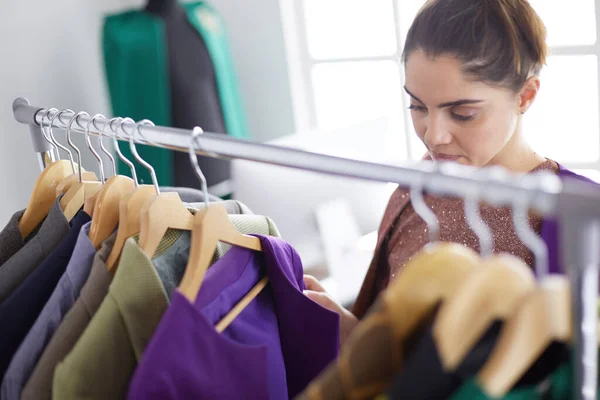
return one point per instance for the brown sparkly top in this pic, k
(403, 233)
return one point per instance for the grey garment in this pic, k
(39, 385)
(64, 295)
(11, 240)
(189, 195)
(170, 259)
(26, 260)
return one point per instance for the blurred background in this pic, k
(322, 75)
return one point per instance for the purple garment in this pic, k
(550, 230)
(64, 295)
(270, 351)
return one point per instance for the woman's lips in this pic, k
(445, 157)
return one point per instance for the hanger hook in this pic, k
(137, 156)
(196, 132)
(423, 211)
(118, 149)
(45, 135)
(70, 141)
(476, 222)
(528, 236)
(58, 145)
(89, 143)
(101, 140)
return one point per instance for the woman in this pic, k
(472, 72)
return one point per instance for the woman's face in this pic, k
(459, 119)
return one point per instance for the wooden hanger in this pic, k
(66, 183)
(489, 294)
(543, 318)
(433, 275)
(106, 212)
(129, 221)
(43, 195)
(211, 226)
(160, 213)
(75, 198)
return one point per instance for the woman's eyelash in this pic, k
(414, 107)
(462, 118)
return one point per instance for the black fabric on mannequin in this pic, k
(194, 95)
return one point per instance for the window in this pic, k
(350, 72)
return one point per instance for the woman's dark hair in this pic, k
(500, 42)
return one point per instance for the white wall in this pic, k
(50, 52)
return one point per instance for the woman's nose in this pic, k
(436, 134)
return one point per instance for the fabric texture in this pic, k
(14, 271)
(136, 66)
(62, 298)
(402, 233)
(39, 385)
(19, 312)
(260, 350)
(11, 240)
(131, 311)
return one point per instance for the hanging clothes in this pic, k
(261, 351)
(19, 312)
(14, 271)
(39, 385)
(135, 56)
(11, 240)
(65, 293)
(136, 300)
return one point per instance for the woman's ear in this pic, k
(528, 93)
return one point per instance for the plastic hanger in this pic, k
(74, 199)
(130, 206)
(491, 293)
(106, 210)
(212, 225)
(44, 190)
(544, 317)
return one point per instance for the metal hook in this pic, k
(118, 150)
(476, 222)
(89, 143)
(423, 211)
(101, 140)
(137, 155)
(58, 145)
(70, 141)
(197, 131)
(45, 135)
(528, 236)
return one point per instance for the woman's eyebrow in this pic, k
(448, 104)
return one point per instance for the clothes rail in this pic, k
(575, 205)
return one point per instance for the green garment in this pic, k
(136, 63)
(558, 386)
(104, 359)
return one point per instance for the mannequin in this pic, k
(193, 90)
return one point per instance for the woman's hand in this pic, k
(317, 293)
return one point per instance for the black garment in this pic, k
(423, 376)
(195, 99)
(19, 311)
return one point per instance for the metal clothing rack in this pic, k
(574, 204)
